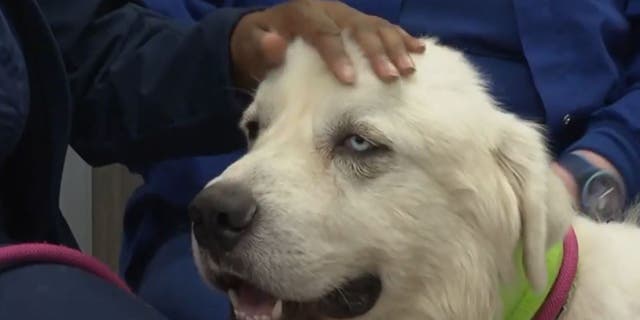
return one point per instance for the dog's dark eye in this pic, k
(253, 129)
(358, 143)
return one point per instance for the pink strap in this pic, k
(557, 298)
(47, 253)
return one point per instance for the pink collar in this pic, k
(557, 298)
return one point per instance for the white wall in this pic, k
(75, 199)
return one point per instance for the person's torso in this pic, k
(553, 62)
(487, 32)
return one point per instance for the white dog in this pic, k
(419, 199)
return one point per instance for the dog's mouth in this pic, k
(354, 298)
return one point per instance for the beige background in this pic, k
(93, 201)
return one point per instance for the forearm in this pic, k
(612, 142)
(145, 88)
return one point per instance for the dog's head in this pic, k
(377, 200)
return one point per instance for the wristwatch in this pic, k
(601, 194)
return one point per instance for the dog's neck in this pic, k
(519, 299)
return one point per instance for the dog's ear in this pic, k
(522, 156)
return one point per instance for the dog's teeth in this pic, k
(276, 313)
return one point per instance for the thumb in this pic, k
(274, 47)
(256, 53)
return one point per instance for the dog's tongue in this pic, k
(250, 303)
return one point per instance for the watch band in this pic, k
(604, 204)
(580, 168)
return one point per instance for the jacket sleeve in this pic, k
(614, 131)
(188, 10)
(146, 88)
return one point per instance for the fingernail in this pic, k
(389, 69)
(406, 64)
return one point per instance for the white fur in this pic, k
(440, 217)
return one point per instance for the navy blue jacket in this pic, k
(118, 82)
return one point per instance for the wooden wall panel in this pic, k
(112, 186)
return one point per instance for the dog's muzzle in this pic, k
(222, 215)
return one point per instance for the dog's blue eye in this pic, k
(357, 143)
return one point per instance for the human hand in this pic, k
(260, 39)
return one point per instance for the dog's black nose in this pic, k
(221, 215)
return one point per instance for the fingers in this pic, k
(394, 44)
(374, 49)
(387, 46)
(412, 43)
(260, 40)
(381, 41)
(331, 49)
(320, 30)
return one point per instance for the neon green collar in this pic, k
(520, 302)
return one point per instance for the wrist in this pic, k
(599, 162)
(594, 183)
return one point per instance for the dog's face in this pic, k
(374, 200)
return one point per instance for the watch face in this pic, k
(603, 197)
